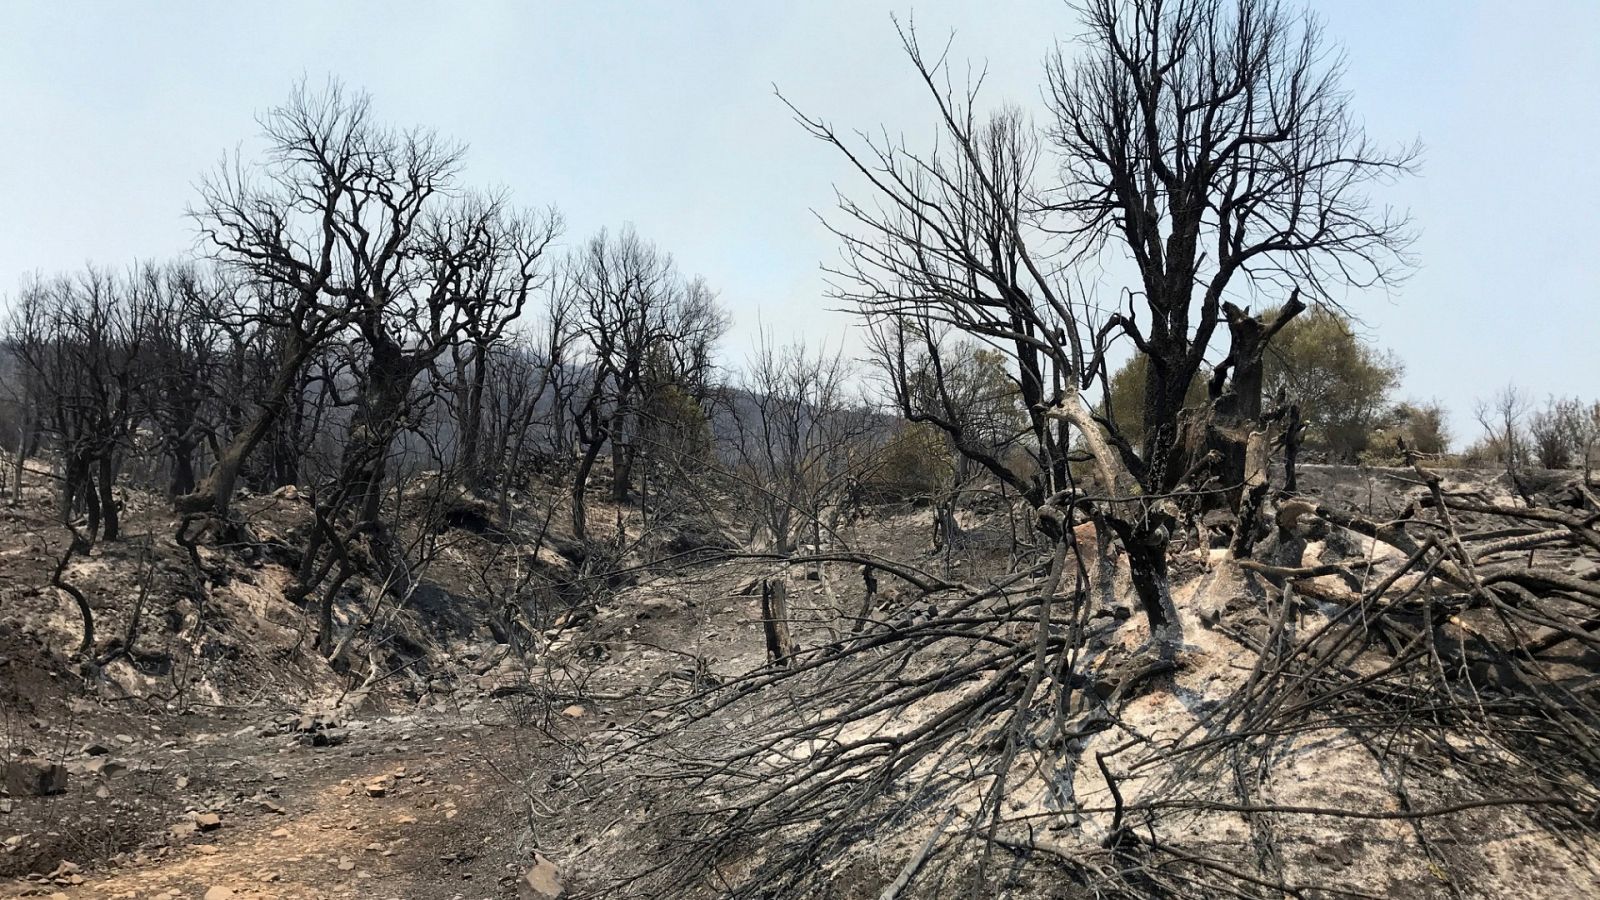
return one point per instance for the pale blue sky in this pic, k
(662, 114)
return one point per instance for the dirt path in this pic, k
(411, 807)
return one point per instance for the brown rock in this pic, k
(219, 893)
(542, 881)
(208, 821)
(377, 789)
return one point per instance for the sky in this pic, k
(663, 114)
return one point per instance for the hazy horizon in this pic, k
(663, 115)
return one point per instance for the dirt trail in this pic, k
(411, 807)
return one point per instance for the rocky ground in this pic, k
(412, 806)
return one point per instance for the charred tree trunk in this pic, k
(1294, 432)
(111, 528)
(78, 545)
(580, 485)
(621, 459)
(775, 622)
(1239, 407)
(183, 478)
(27, 431)
(472, 418)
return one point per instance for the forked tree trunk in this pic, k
(216, 490)
(1143, 525)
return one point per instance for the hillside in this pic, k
(222, 753)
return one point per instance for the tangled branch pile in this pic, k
(1435, 690)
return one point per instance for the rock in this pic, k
(542, 881)
(327, 737)
(35, 778)
(95, 748)
(104, 766)
(377, 789)
(219, 893)
(574, 711)
(208, 821)
(6, 806)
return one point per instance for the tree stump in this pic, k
(775, 621)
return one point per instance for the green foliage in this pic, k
(1421, 426)
(1341, 383)
(914, 463)
(675, 427)
(1564, 432)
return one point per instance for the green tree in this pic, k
(1340, 382)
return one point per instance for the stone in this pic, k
(574, 711)
(219, 893)
(542, 881)
(326, 737)
(105, 767)
(95, 748)
(377, 789)
(208, 821)
(30, 777)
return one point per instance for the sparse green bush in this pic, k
(1420, 426)
(914, 464)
